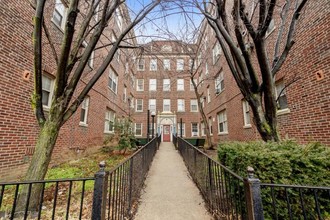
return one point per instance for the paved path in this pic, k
(170, 193)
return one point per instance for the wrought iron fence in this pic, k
(295, 202)
(223, 190)
(114, 193)
(230, 196)
(60, 199)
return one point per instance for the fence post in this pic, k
(100, 193)
(253, 196)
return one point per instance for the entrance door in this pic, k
(166, 133)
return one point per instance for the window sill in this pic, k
(108, 132)
(247, 126)
(138, 135)
(223, 133)
(270, 32)
(82, 124)
(46, 108)
(217, 94)
(283, 111)
(139, 111)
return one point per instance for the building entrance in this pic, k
(166, 133)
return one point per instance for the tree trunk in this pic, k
(267, 128)
(39, 164)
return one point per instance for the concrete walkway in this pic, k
(170, 193)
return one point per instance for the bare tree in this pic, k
(259, 92)
(71, 63)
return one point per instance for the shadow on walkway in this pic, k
(170, 193)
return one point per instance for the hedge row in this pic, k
(283, 163)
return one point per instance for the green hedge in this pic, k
(282, 163)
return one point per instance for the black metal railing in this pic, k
(114, 193)
(59, 199)
(117, 192)
(223, 190)
(230, 196)
(295, 202)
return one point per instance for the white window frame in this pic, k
(119, 19)
(113, 81)
(203, 128)
(150, 105)
(152, 84)
(139, 85)
(180, 64)
(84, 106)
(246, 114)
(166, 105)
(61, 12)
(49, 90)
(109, 120)
(216, 52)
(181, 103)
(193, 102)
(279, 86)
(135, 129)
(219, 83)
(139, 104)
(222, 119)
(166, 84)
(141, 64)
(270, 28)
(167, 64)
(180, 84)
(125, 94)
(153, 64)
(183, 130)
(210, 123)
(191, 85)
(194, 134)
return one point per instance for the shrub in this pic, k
(282, 163)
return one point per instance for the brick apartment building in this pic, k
(304, 106)
(92, 122)
(158, 79)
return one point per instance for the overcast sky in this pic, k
(167, 21)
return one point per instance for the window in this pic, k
(180, 105)
(216, 52)
(183, 130)
(152, 105)
(166, 84)
(139, 105)
(180, 85)
(282, 102)
(47, 90)
(193, 105)
(246, 113)
(203, 128)
(138, 129)
(200, 79)
(91, 58)
(167, 64)
(194, 129)
(84, 111)
(206, 69)
(222, 122)
(179, 64)
(125, 94)
(219, 83)
(140, 66)
(119, 18)
(152, 84)
(210, 126)
(192, 65)
(140, 85)
(271, 27)
(113, 81)
(208, 95)
(191, 84)
(153, 64)
(109, 121)
(59, 14)
(131, 101)
(166, 105)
